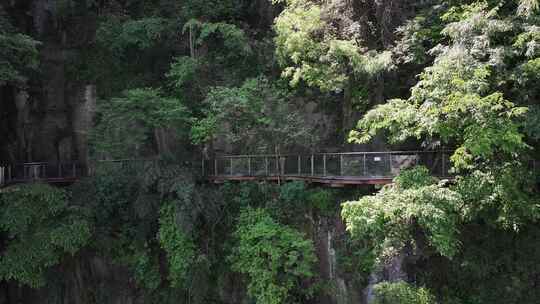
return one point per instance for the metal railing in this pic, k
(63, 171)
(36, 171)
(352, 164)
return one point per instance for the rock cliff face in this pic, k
(344, 290)
(90, 278)
(47, 119)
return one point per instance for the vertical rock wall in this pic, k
(84, 109)
(49, 120)
(341, 290)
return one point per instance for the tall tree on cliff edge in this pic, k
(476, 98)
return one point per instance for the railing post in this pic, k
(231, 172)
(74, 166)
(390, 163)
(59, 169)
(365, 169)
(249, 165)
(215, 167)
(443, 165)
(2, 169)
(299, 165)
(10, 177)
(202, 166)
(312, 166)
(324, 164)
(341, 164)
(266, 165)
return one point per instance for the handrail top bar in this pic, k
(74, 162)
(43, 163)
(240, 156)
(332, 153)
(125, 160)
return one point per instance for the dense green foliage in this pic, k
(275, 258)
(177, 78)
(180, 249)
(401, 292)
(390, 217)
(467, 100)
(127, 123)
(40, 228)
(18, 54)
(309, 49)
(170, 235)
(262, 118)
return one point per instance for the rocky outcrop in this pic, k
(341, 289)
(51, 115)
(391, 270)
(84, 109)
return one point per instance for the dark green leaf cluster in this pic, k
(19, 55)
(179, 247)
(126, 123)
(40, 228)
(263, 121)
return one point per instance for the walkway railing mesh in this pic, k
(354, 164)
(347, 166)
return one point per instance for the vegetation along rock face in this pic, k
(125, 125)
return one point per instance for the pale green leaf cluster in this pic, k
(528, 7)
(414, 36)
(309, 51)
(402, 293)
(390, 216)
(500, 196)
(528, 42)
(453, 100)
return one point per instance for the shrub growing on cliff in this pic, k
(391, 216)
(40, 228)
(179, 247)
(401, 293)
(275, 258)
